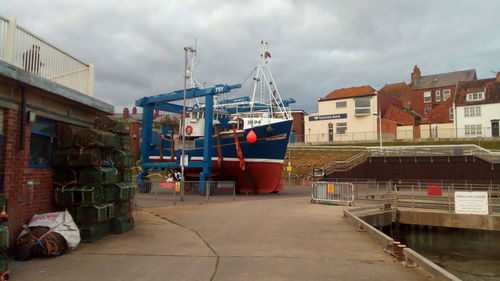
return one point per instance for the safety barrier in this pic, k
(159, 193)
(338, 192)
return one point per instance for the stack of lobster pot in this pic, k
(93, 177)
(4, 239)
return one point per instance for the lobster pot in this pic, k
(94, 232)
(4, 263)
(125, 142)
(122, 208)
(119, 191)
(100, 175)
(116, 126)
(64, 136)
(79, 194)
(107, 228)
(123, 158)
(94, 214)
(125, 174)
(64, 176)
(91, 137)
(122, 224)
(77, 157)
(3, 204)
(4, 237)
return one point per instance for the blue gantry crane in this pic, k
(164, 102)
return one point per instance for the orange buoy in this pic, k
(251, 137)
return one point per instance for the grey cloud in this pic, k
(317, 46)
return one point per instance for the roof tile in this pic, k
(350, 93)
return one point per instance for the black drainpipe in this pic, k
(22, 118)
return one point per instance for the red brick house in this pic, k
(135, 121)
(398, 91)
(435, 93)
(31, 110)
(298, 125)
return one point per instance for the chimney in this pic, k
(134, 110)
(125, 113)
(498, 76)
(157, 113)
(415, 75)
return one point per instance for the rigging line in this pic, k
(248, 76)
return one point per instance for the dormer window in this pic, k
(477, 96)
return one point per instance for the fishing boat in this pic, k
(250, 134)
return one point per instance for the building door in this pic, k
(330, 132)
(494, 128)
(434, 131)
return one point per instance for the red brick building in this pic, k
(431, 96)
(298, 125)
(398, 91)
(31, 110)
(135, 121)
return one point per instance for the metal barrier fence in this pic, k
(422, 194)
(24, 49)
(441, 196)
(159, 193)
(339, 192)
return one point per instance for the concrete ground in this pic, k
(267, 237)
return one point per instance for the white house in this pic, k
(477, 108)
(344, 115)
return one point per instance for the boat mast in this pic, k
(265, 77)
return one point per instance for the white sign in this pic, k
(184, 160)
(471, 202)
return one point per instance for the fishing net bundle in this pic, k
(49, 234)
(40, 241)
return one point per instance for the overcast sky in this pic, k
(316, 46)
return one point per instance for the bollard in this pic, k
(399, 254)
(395, 246)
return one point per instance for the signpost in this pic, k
(471, 202)
(328, 117)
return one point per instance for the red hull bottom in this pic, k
(258, 177)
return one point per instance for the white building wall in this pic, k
(359, 127)
(404, 132)
(446, 131)
(488, 112)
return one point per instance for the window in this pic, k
(446, 94)
(41, 145)
(475, 96)
(438, 96)
(452, 113)
(473, 130)
(362, 106)
(427, 97)
(427, 110)
(341, 104)
(472, 111)
(341, 128)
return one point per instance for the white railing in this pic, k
(484, 133)
(28, 51)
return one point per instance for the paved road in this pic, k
(280, 238)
